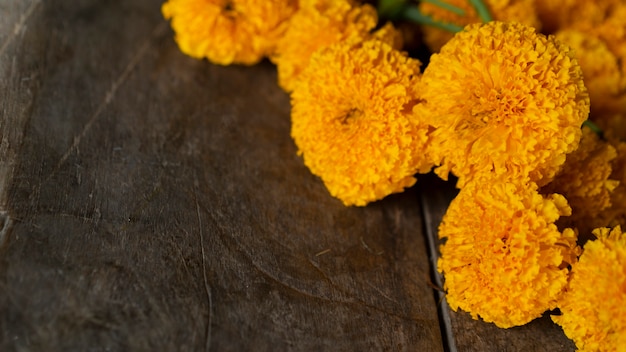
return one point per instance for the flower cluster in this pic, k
(352, 88)
(506, 105)
(228, 31)
(499, 106)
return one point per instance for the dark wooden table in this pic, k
(149, 201)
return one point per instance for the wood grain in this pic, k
(157, 203)
(16, 90)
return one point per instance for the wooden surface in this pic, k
(149, 201)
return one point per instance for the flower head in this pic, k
(602, 65)
(351, 124)
(228, 31)
(318, 24)
(599, 39)
(504, 258)
(504, 101)
(585, 181)
(612, 32)
(594, 304)
(522, 11)
(559, 14)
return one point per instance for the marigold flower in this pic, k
(350, 120)
(584, 181)
(559, 14)
(390, 35)
(612, 32)
(504, 260)
(228, 31)
(522, 11)
(613, 29)
(593, 306)
(604, 72)
(318, 24)
(503, 100)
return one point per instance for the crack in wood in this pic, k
(109, 96)
(17, 29)
(430, 207)
(207, 288)
(6, 224)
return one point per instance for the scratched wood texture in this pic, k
(152, 202)
(149, 201)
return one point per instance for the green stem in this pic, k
(444, 5)
(593, 127)
(482, 10)
(412, 13)
(391, 9)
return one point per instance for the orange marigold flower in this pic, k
(504, 260)
(318, 24)
(228, 31)
(350, 120)
(559, 14)
(504, 100)
(604, 72)
(612, 32)
(584, 181)
(613, 29)
(593, 306)
(522, 11)
(390, 35)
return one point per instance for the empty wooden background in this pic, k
(149, 201)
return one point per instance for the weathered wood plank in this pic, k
(464, 333)
(158, 204)
(16, 88)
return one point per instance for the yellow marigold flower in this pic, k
(612, 32)
(318, 24)
(613, 29)
(594, 304)
(350, 121)
(559, 14)
(504, 100)
(390, 35)
(584, 181)
(228, 31)
(522, 11)
(504, 260)
(604, 72)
